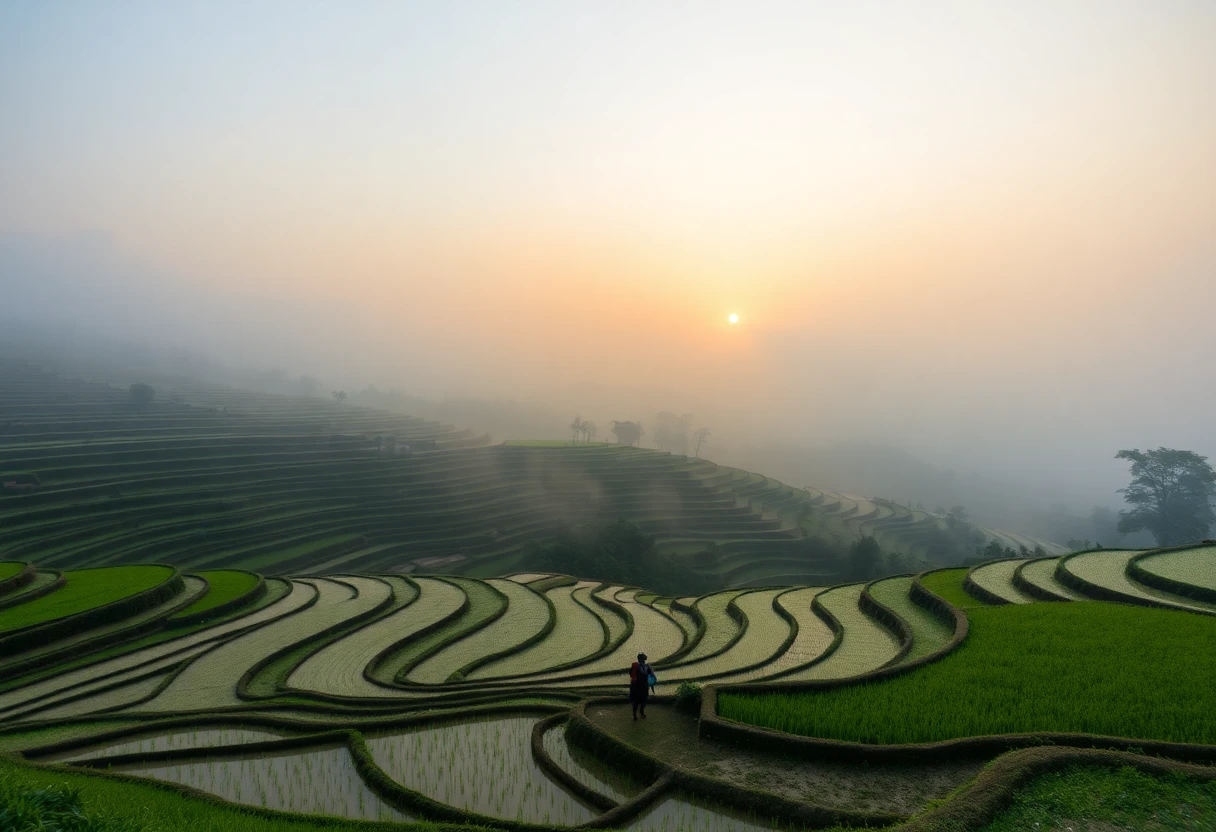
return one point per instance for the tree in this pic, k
(339, 396)
(141, 395)
(390, 443)
(576, 427)
(589, 430)
(865, 556)
(1171, 494)
(628, 433)
(698, 439)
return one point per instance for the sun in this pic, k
(733, 318)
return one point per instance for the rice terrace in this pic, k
(228, 610)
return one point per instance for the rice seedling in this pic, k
(587, 768)
(321, 781)
(1108, 570)
(720, 628)
(765, 634)
(337, 668)
(616, 626)
(116, 698)
(210, 680)
(172, 741)
(527, 577)
(576, 634)
(297, 595)
(654, 634)
(1196, 567)
(1041, 573)
(85, 589)
(165, 664)
(867, 644)
(1093, 667)
(526, 616)
(684, 813)
(224, 585)
(997, 578)
(929, 633)
(485, 603)
(948, 585)
(479, 765)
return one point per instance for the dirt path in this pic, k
(671, 735)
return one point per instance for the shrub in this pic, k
(688, 696)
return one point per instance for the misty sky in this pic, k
(983, 231)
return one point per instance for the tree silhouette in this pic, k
(628, 433)
(699, 438)
(1171, 494)
(576, 427)
(339, 396)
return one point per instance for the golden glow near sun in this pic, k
(733, 318)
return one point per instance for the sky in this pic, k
(985, 232)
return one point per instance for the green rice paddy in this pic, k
(85, 589)
(223, 586)
(1083, 667)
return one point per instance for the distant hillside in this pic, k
(209, 477)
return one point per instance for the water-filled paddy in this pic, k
(479, 765)
(680, 813)
(320, 781)
(173, 741)
(587, 769)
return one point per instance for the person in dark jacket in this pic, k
(639, 685)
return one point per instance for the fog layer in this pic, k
(981, 233)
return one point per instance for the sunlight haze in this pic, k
(961, 228)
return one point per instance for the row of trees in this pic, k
(672, 433)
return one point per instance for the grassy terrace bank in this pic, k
(1085, 666)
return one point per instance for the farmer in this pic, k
(640, 675)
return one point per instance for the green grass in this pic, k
(929, 633)
(1085, 666)
(152, 808)
(84, 590)
(10, 568)
(224, 585)
(1082, 797)
(948, 584)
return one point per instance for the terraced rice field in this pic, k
(526, 616)
(867, 645)
(997, 578)
(323, 781)
(1042, 573)
(83, 590)
(214, 478)
(1196, 566)
(483, 766)
(930, 632)
(409, 680)
(304, 657)
(1095, 668)
(1108, 571)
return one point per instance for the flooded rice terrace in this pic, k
(321, 781)
(689, 814)
(479, 765)
(175, 741)
(587, 769)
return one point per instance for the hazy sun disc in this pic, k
(733, 318)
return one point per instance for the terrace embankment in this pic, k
(671, 735)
